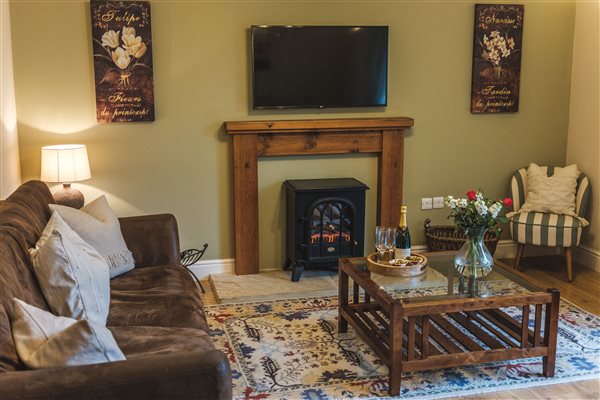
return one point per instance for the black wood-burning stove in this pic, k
(325, 220)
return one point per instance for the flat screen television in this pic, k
(319, 66)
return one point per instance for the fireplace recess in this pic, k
(325, 220)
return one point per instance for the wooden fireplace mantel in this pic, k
(254, 139)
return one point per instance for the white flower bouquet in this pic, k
(475, 215)
(126, 54)
(496, 48)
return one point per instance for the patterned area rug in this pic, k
(290, 349)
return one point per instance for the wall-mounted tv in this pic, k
(319, 66)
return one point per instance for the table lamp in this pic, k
(66, 163)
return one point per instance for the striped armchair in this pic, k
(546, 229)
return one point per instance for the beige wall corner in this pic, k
(583, 146)
(10, 170)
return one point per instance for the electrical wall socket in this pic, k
(438, 202)
(426, 203)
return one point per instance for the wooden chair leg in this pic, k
(520, 249)
(569, 254)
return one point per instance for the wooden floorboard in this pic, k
(551, 271)
(547, 271)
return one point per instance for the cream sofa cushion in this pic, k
(551, 194)
(98, 225)
(72, 275)
(43, 340)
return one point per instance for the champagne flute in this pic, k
(390, 242)
(380, 240)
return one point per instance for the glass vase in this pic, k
(474, 259)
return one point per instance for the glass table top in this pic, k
(441, 281)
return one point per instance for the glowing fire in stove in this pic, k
(329, 237)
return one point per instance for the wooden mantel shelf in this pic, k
(254, 139)
(317, 125)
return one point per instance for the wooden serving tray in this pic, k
(407, 271)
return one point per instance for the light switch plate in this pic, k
(438, 202)
(426, 203)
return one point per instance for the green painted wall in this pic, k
(180, 163)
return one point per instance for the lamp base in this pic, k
(69, 197)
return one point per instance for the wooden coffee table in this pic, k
(414, 330)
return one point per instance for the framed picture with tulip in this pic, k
(122, 48)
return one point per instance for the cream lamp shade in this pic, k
(65, 163)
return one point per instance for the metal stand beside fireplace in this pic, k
(325, 220)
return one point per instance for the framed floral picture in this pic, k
(497, 47)
(122, 47)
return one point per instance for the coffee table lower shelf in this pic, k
(417, 336)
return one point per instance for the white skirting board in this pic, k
(203, 268)
(506, 249)
(587, 256)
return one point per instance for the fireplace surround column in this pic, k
(254, 139)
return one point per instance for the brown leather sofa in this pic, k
(156, 316)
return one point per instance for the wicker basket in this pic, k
(445, 237)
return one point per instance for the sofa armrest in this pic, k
(185, 376)
(153, 239)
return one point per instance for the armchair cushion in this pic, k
(551, 193)
(545, 229)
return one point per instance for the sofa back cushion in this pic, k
(9, 361)
(23, 216)
(27, 210)
(16, 280)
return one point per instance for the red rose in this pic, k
(472, 195)
(507, 202)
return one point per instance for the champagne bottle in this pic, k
(402, 245)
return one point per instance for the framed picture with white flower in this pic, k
(122, 48)
(497, 48)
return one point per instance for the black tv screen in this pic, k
(319, 66)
